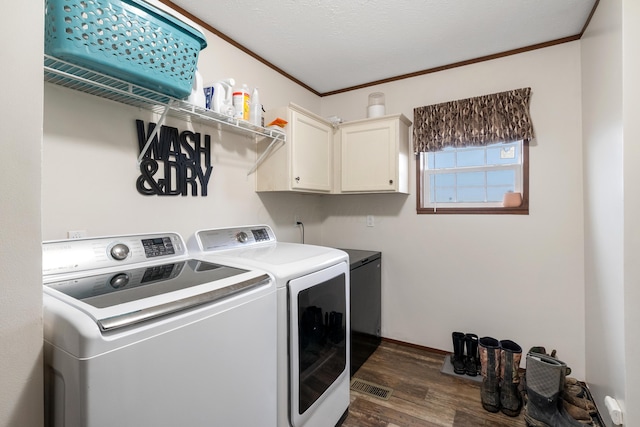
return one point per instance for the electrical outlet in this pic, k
(296, 219)
(370, 221)
(76, 234)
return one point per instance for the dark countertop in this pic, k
(358, 257)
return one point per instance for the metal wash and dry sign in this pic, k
(175, 164)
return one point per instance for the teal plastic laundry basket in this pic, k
(127, 39)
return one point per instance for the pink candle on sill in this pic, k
(512, 200)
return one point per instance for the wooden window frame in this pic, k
(523, 209)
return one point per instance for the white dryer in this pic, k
(313, 318)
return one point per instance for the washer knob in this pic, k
(119, 251)
(242, 237)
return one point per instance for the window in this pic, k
(471, 154)
(473, 179)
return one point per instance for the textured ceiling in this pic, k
(331, 45)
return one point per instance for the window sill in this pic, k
(520, 210)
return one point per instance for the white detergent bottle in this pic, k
(222, 96)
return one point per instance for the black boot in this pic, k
(470, 367)
(545, 382)
(457, 359)
(510, 400)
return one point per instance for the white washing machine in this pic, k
(313, 318)
(137, 333)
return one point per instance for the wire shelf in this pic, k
(92, 82)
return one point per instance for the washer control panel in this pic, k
(66, 256)
(158, 246)
(234, 237)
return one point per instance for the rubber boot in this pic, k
(470, 367)
(490, 371)
(457, 360)
(545, 383)
(510, 400)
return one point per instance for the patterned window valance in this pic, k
(483, 120)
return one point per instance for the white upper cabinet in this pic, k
(304, 162)
(363, 156)
(374, 155)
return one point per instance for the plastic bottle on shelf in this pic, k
(222, 101)
(255, 112)
(241, 102)
(197, 92)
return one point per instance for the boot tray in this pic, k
(447, 368)
(597, 419)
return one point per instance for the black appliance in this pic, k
(365, 296)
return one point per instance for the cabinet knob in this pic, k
(297, 178)
(390, 182)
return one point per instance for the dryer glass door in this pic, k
(319, 325)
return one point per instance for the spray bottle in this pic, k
(255, 113)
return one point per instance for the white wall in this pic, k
(602, 71)
(631, 112)
(20, 266)
(510, 277)
(611, 131)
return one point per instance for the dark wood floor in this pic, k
(422, 395)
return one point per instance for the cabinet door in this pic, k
(369, 153)
(311, 153)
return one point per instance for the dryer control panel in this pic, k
(234, 237)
